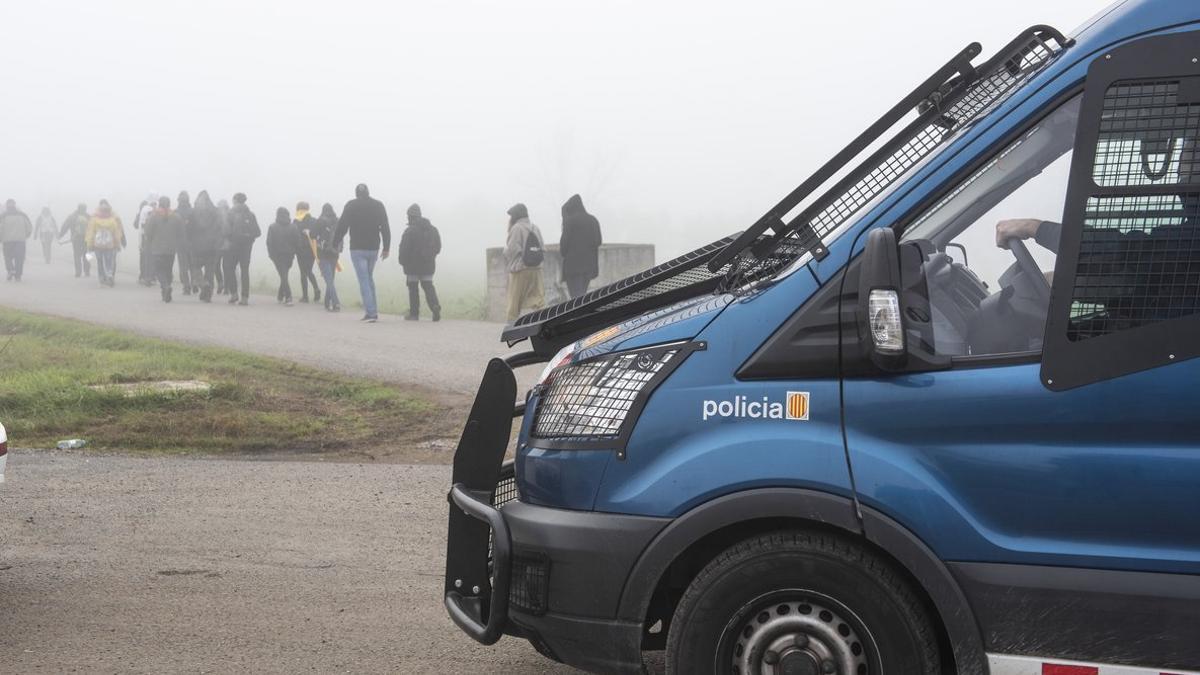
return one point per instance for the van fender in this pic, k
(827, 509)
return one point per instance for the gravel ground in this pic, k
(447, 357)
(121, 564)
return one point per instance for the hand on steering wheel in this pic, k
(1030, 267)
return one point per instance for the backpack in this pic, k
(241, 225)
(103, 239)
(533, 255)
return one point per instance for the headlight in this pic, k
(591, 400)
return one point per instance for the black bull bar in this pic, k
(478, 542)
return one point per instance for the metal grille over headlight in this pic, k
(591, 400)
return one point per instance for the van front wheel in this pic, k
(801, 602)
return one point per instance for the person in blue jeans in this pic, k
(365, 219)
(327, 254)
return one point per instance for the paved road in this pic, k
(119, 564)
(447, 357)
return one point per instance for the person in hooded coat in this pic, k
(105, 237)
(75, 226)
(15, 229)
(419, 247)
(164, 234)
(328, 250)
(283, 240)
(45, 230)
(242, 230)
(183, 207)
(306, 255)
(204, 239)
(579, 246)
(523, 255)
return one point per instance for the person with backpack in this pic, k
(243, 230)
(204, 239)
(164, 233)
(524, 255)
(419, 247)
(306, 255)
(328, 250)
(75, 226)
(183, 207)
(105, 237)
(15, 229)
(579, 247)
(283, 241)
(365, 218)
(45, 230)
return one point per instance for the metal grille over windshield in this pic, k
(945, 103)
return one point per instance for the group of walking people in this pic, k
(211, 244)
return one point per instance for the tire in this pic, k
(802, 601)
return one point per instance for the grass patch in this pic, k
(49, 368)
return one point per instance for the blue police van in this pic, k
(935, 412)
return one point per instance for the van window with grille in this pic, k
(1139, 254)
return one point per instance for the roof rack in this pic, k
(948, 100)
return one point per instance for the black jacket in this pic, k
(304, 255)
(204, 231)
(580, 244)
(323, 233)
(283, 242)
(367, 222)
(419, 245)
(241, 227)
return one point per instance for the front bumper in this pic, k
(552, 576)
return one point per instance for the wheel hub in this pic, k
(798, 633)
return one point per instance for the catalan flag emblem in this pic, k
(797, 405)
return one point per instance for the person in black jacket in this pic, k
(419, 247)
(183, 206)
(327, 254)
(204, 240)
(305, 255)
(242, 231)
(366, 220)
(579, 246)
(283, 240)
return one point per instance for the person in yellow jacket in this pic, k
(105, 236)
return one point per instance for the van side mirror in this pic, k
(881, 318)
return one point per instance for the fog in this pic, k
(678, 121)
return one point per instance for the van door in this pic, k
(1064, 492)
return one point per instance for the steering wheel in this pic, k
(1030, 267)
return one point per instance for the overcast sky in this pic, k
(678, 121)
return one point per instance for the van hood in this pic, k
(681, 321)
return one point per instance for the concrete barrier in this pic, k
(617, 261)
